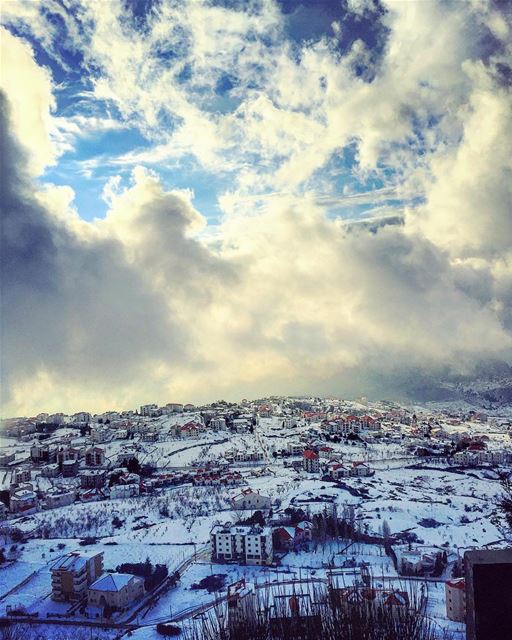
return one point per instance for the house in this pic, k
(360, 469)
(455, 590)
(284, 537)
(115, 590)
(245, 544)
(190, 429)
(337, 470)
(292, 615)
(95, 457)
(310, 461)
(72, 575)
(249, 499)
(290, 536)
(358, 595)
(416, 561)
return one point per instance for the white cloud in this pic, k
(29, 89)
(283, 299)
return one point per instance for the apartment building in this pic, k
(95, 457)
(310, 461)
(244, 544)
(73, 574)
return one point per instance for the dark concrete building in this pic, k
(488, 576)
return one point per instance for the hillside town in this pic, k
(145, 520)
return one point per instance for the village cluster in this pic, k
(111, 517)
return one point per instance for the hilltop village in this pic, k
(142, 521)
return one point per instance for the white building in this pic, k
(58, 498)
(218, 423)
(244, 544)
(124, 491)
(249, 499)
(23, 500)
(50, 470)
(148, 410)
(100, 434)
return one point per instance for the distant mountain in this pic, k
(490, 386)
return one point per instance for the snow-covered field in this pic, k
(434, 505)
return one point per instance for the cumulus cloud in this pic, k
(139, 306)
(75, 314)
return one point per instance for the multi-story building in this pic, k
(56, 497)
(50, 470)
(218, 423)
(92, 478)
(23, 500)
(95, 457)
(73, 574)
(68, 453)
(6, 458)
(174, 407)
(69, 468)
(124, 491)
(148, 410)
(81, 417)
(244, 544)
(43, 453)
(100, 434)
(21, 474)
(455, 590)
(310, 461)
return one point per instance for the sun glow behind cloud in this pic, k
(234, 199)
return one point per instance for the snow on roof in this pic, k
(71, 562)
(457, 583)
(112, 581)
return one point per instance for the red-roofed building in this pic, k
(310, 461)
(455, 590)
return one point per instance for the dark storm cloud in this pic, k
(72, 307)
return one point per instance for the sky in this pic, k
(207, 199)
